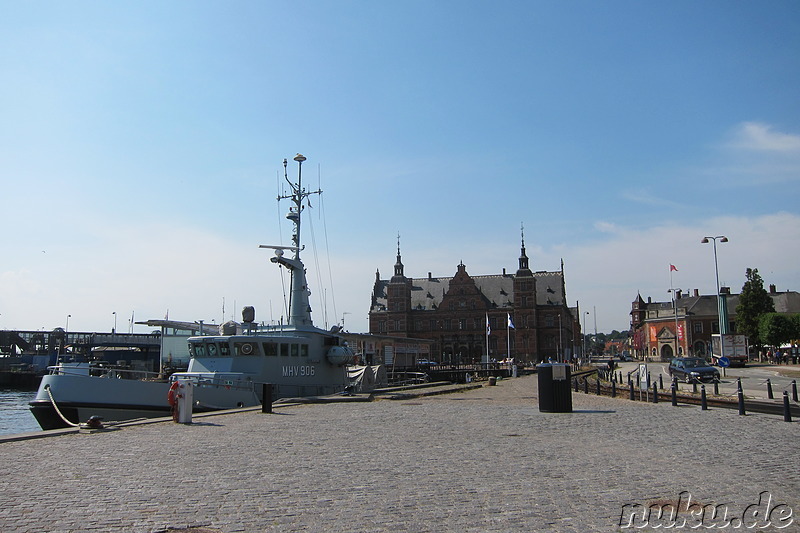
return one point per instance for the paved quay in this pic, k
(484, 459)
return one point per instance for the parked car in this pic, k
(693, 369)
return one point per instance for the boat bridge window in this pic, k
(212, 350)
(270, 349)
(286, 350)
(245, 348)
(224, 348)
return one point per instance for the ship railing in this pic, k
(228, 382)
(97, 371)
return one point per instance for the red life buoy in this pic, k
(172, 395)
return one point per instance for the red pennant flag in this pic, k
(673, 267)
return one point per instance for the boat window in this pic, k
(246, 348)
(197, 350)
(304, 350)
(212, 350)
(270, 349)
(295, 350)
(224, 349)
(284, 350)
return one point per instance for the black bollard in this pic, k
(787, 412)
(716, 387)
(703, 402)
(694, 386)
(598, 386)
(769, 390)
(655, 393)
(613, 389)
(794, 390)
(740, 394)
(674, 388)
(739, 384)
(575, 383)
(661, 381)
(266, 398)
(586, 385)
(630, 389)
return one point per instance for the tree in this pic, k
(754, 301)
(777, 329)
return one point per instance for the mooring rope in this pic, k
(53, 401)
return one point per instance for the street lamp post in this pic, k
(584, 333)
(723, 320)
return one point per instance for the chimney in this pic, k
(504, 271)
(429, 275)
(773, 289)
(724, 290)
(697, 292)
(649, 299)
(678, 294)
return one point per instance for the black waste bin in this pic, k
(555, 394)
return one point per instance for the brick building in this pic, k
(528, 318)
(695, 318)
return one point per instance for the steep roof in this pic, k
(427, 293)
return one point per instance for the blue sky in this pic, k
(141, 143)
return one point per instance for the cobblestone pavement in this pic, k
(481, 460)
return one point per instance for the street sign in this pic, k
(643, 385)
(724, 362)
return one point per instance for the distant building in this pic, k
(523, 315)
(695, 318)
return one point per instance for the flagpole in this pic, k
(508, 337)
(488, 330)
(674, 306)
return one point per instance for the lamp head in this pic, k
(705, 240)
(723, 239)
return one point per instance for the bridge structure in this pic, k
(48, 347)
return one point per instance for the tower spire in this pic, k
(523, 259)
(398, 266)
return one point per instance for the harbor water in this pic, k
(15, 417)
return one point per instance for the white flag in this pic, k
(488, 327)
(510, 322)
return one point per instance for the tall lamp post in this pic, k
(585, 317)
(723, 320)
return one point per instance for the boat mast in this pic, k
(299, 307)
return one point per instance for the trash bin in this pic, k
(555, 394)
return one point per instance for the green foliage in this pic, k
(754, 301)
(776, 329)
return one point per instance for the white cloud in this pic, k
(761, 137)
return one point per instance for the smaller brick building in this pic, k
(695, 318)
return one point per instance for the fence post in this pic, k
(598, 385)
(674, 388)
(661, 381)
(794, 390)
(740, 394)
(787, 412)
(769, 390)
(655, 392)
(703, 402)
(614, 389)
(266, 397)
(630, 389)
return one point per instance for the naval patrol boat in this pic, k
(227, 370)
